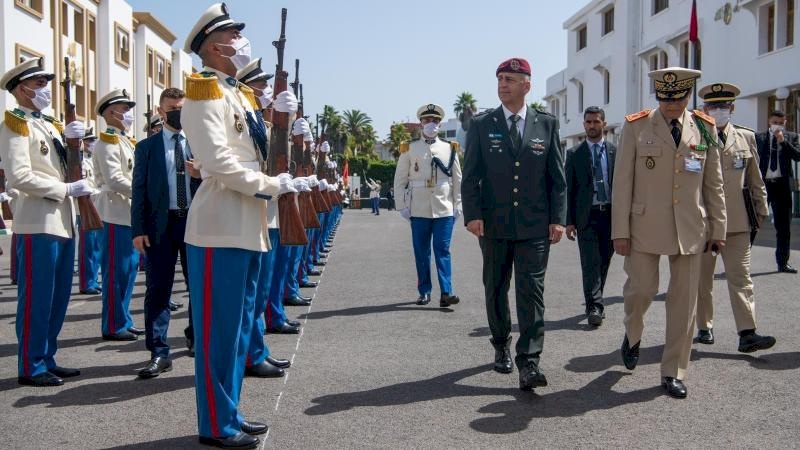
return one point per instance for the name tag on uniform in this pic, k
(693, 165)
(738, 162)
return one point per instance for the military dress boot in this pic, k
(424, 299)
(630, 355)
(750, 342)
(448, 300)
(705, 336)
(502, 356)
(531, 377)
(674, 387)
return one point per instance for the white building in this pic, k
(109, 46)
(612, 45)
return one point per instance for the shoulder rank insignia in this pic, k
(741, 127)
(55, 122)
(109, 138)
(708, 119)
(454, 146)
(250, 95)
(132, 141)
(15, 121)
(636, 116)
(203, 86)
(404, 146)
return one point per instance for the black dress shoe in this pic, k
(310, 284)
(294, 323)
(502, 361)
(174, 306)
(303, 298)
(295, 302)
(531, 377)
(447, 300)
(787, 268)
(285, 328)
(279, 363)
(240, 440)
(630, 355)
(595, 317)
(64, 372)
(319, 263)
(314, 273)
(91, 291)
(751, 342)
(136, 331)
(41, 380)
(252, 428)
(674, 387)
(424, 299)
(157, 366)
(705, 336)
(123, 336)
(264, 370)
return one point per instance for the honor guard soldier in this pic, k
(90, 250)
(429, 174)
(667, 200)
(35, 161)
(226, 230)
(113, 163)
(514, 194)
(740, 172)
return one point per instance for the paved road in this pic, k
(373, 370)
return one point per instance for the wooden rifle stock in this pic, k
(90, 219)
(304, 202)
(290, 223)
(7, 214)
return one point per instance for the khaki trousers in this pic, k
(642, 286)
(736, 259)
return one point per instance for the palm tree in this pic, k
(332, 122)
(539, 105)
(465, 107)
(398, 133)
(369, 137)
(353, 125)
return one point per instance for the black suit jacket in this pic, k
(518, 193)
(788, 151)
(580, 182)
(150, 201)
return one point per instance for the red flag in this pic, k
(346, 173)
(693, 24)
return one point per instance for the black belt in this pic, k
(603, 207)
(178, 213)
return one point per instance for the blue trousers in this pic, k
(275, 316)
(222, 284)
(258, 349)
(120, 266)
(306, 262)
(438, 232)
(292, 289)
(319, 234)
(90, 256)
(43, 287)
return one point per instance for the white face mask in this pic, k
(266, 97)
(430, 130)
(90, 148)
(42, 97)
(127, 119)
(721, 116)
(775, 128)
(241, 57)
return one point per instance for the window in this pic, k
(92, 34)
(664, 60)
(685, 53)
(78, 21)
(24, 53)
(161, 71)
(450, 134)
(775, 25)
(65, 19)
(32, 7)
(580, 95)
(789, 25)
(770, 28)
(606, 87)
(150, 64)
(581, 35)
(169, 74)
(698, 53)
(659, 5)
(122, 45)
(608, 21)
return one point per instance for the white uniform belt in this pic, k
(417, 183)
(252, 165)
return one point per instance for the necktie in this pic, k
(599, 184)
(676, 131)
(773, 155)
(514, 132)
(721, 136)
(180, 177)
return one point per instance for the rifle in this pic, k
(308, 212)
(147, 116)
(7, 214)
(290, 223)
(90, 219)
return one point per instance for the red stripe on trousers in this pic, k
(81, 265)
(212, 406)
(111, 325)
(26, 328)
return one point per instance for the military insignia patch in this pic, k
(514, 64)
(670, 77)
(237, 123)
(43, 148)
(650, 163)
(636, 116)
(130, 164)
(416, 166)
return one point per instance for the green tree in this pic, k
(353, 126)
(538, 105)
(333, 127)
(465, 102)
(397, 135)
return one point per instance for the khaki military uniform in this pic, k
(427, 191)
(739, 159)
(113, 175)
(667, 201)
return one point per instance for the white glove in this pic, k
(285, 102)
(312, 180)
(4, 197)
(406, 213)
(457, 213)
(284, 176)
(301, 184)
(308, 137)
(329, 164)
(286, 186)
(79, 188)
(325, 147)
(332, 187)
(75, 130)
(323, 185)
(301, 127)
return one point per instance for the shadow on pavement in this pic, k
(367, 310)
(764, 361)
(176, 442)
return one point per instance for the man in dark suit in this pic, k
(777, 148)
(514, 200)
(589, 171)
(163, 180)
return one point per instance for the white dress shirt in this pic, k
(520, 123)
(169, 155)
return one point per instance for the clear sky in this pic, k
(388, 58)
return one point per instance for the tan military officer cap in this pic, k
(215, 18)
(673, 83)
(27, 69)
(719, 92)
(115, 96)
(252, 72)
(430, 110)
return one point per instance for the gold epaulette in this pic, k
(199, 87)
(704, 116)
(17, 123)
(455, 146)
(742, 127)
(55, 122)
(132, 141)
(109, 138)
(404, 146)
(636, 116)
(250, 95)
